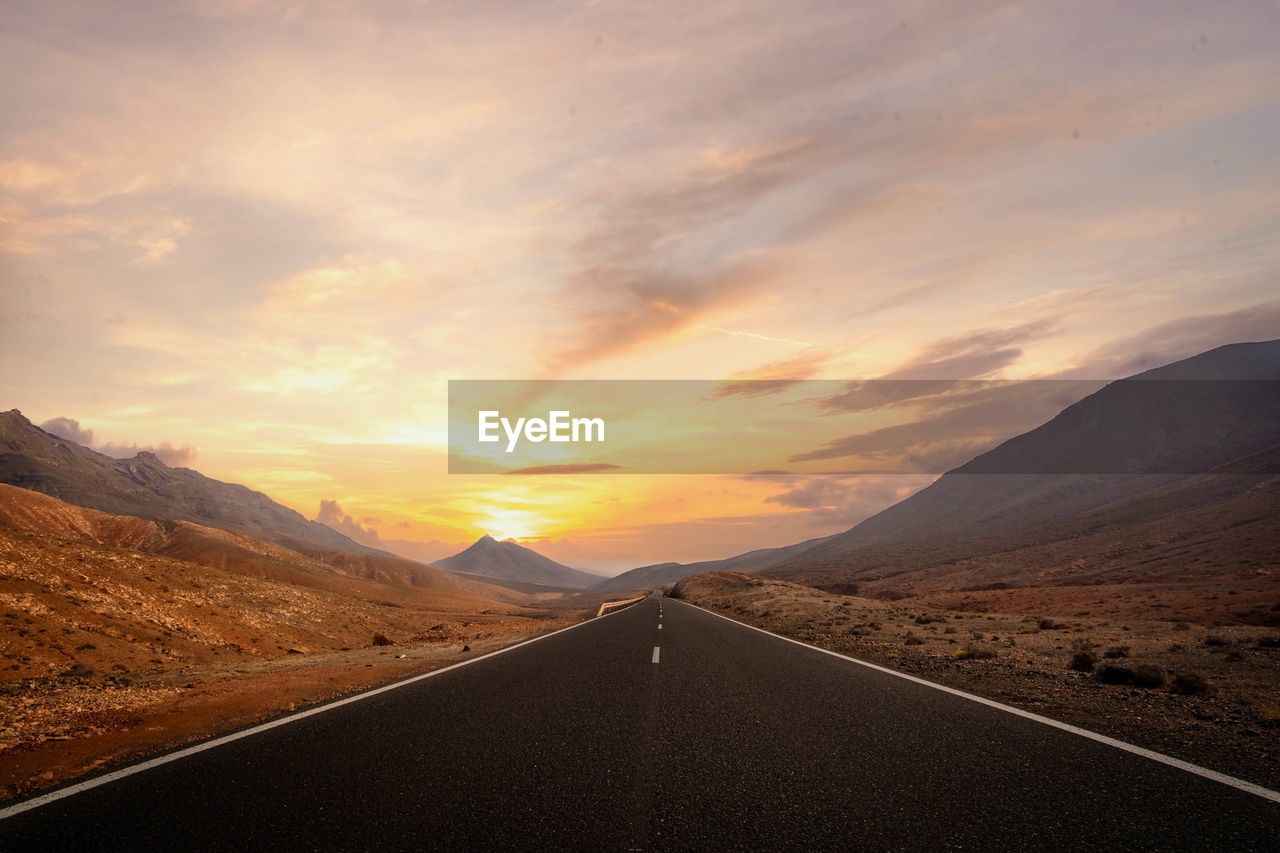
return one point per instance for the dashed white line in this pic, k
(655, 654)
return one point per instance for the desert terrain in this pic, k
(1204, 692)
(121, 637)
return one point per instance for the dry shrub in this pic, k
(1113, 673)
(1147, 674)
(1190, 684)
(1084, 660)
(973, 651)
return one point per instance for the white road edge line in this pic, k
(655, 654)
(1205, 772)
(71, 790)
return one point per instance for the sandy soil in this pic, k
(1214, 690)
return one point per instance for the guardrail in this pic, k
(610, 606)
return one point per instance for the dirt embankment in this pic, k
(1201, 692)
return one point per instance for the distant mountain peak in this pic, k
(14, 418)
(509, 560)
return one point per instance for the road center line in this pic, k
(655, 654)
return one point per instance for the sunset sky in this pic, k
(262, 236)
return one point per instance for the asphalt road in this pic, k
(732, 739)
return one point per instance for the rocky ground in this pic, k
(1207, 693)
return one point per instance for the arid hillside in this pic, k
(1207, 549)
(394, 580)
(1157, 496)
(121, 635)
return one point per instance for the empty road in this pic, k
(619, 734)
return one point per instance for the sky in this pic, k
(260, 237)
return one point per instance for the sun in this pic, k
(511, 524)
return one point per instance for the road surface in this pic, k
(641, 731)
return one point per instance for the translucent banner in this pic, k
(926, 426)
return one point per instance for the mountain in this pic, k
(370, 577)
(1139, 482)
(509, 561)
(662, 574)
(145, 487)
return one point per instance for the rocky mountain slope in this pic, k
(1172, 476)
(384, 580)
(145, 487)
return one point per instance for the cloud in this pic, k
(865, 395)
(950, 422)
(1179, 339)
(819, 492)
(332, 516)
(644, 306)
(876, 164)
(70, 429)
(174, 457)
(576, 468)
(837, 499)
(632, 287)
(777, 376)
(572, 553)
(365, 532)
(972, 355)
